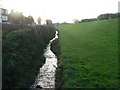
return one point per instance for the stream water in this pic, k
(46, 76)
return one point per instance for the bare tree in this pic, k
(76, 21)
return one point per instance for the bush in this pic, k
(23, 49)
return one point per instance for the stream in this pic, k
(46, 76)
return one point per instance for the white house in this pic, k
(3, 14)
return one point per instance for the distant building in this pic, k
(89, 20)
(108, 16)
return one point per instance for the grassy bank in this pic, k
(89, 54)
(22, 51)
(56, 48)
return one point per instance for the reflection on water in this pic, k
(46, 76)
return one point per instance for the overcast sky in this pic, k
(62, 10)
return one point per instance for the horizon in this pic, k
(62, 10)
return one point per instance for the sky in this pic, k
(62, 10)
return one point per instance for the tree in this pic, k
(19, 18)
(76, 21)
(16, 17)
(30, 20)
(26, 21)
(48, 22)
(39, 20)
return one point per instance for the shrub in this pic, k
(23, 48)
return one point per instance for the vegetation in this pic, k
(89, 54)
(56, 48)
(16, 17)
(39, 20)
(23, 49)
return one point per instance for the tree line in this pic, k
(15, 17)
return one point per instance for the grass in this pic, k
(89, 54)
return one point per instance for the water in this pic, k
(46, 76)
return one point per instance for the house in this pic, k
(3, 15)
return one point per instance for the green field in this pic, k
(89, 54)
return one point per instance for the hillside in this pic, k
(89, 54)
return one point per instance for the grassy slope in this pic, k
(90, 54)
